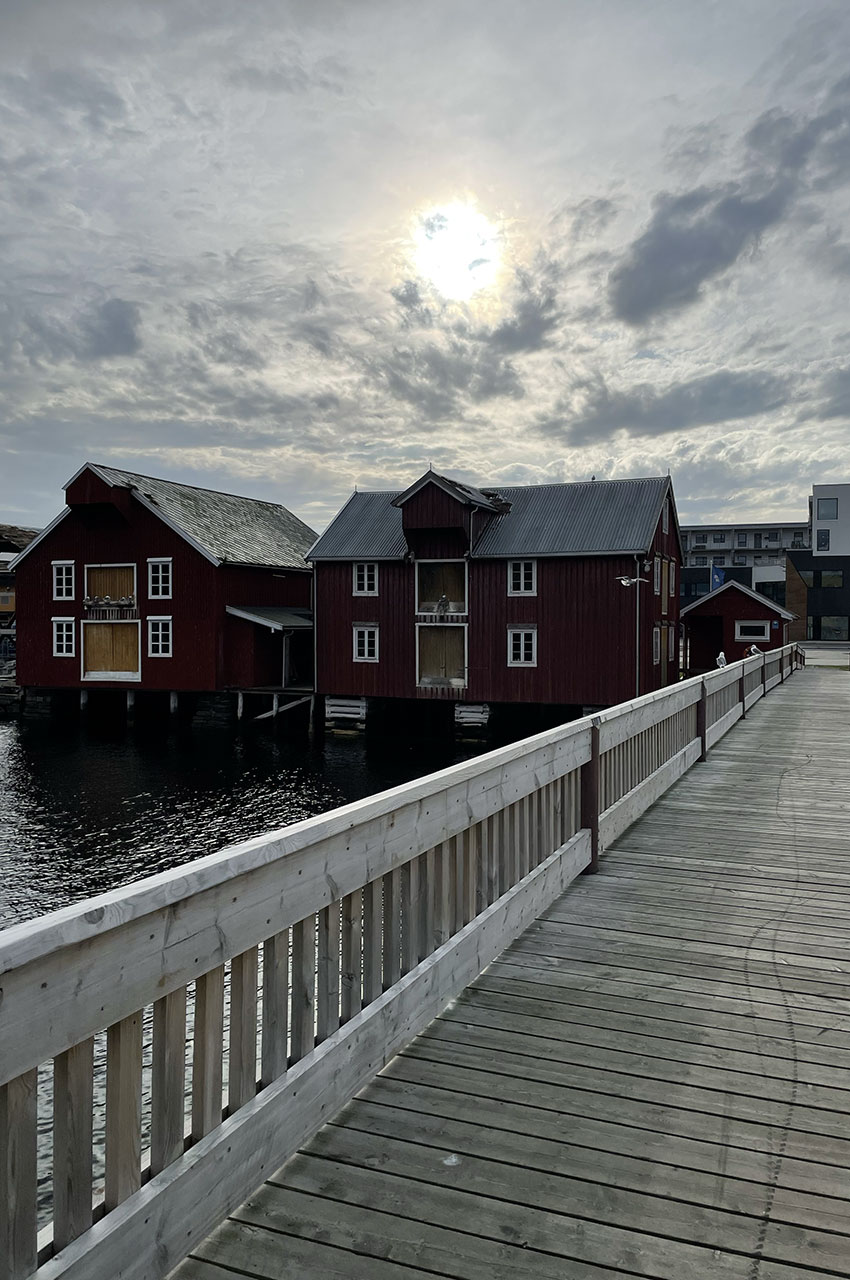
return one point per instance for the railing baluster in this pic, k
(392, 927)
(352, 963)
(275, 1049)
(303, 987)
(123, 1110)
(410, 915)
(18, 1130)
(168, 1079)
(73, 1087)
(327, 1018)
(207, 1050)
(372, 942)
(242, 1063)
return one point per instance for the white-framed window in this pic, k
(752, 630)
(672, 578)
(64, 641)
(365, 644)
(159, 638)
(522, 577)
(365, 579)
(63, 579)
(656, 645)
(159, 578)
(671, 643)
(522, 647)
(656, 578)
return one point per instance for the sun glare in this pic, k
(457, 250)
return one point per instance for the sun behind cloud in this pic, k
(456, 249)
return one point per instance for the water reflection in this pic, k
(82, 813)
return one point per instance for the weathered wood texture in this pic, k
(652, 1081)
(388, 907)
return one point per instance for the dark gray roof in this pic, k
(13, 538)
(594, 517)
(276, 618)
(233, 529)
(464, 493)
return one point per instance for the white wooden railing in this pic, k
(220, 1012)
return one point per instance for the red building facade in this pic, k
(730, 620)
(509, 595)
(132, 587)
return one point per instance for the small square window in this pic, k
(772, 535)
(718, 560)
(823, 540)
(522, 648)
(159, 579)
(718, 537)
(738, 559)
(365, 579)
(63, 638)
(159, 638)
(827, 508)
(63, 580)
(522, 577)
(700, 539)
(365, 644)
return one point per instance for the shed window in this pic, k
(365, 579)
(63, 638)
(63, 580)
(827, 508)
(365, 644)
(159, 638)
(159, 579)
(751, 630)
(656, 645)
(522, 648)
(522, 577)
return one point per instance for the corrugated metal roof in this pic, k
(595, 517)
(234, 529)
(464, 493)
(274, 617)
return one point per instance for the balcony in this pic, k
(105, 609)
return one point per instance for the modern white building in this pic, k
(743, 546)
(829, 512)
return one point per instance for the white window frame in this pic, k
(522, 631)
(671, 578)
(366, 566)
(160, 595)
(522, 591)
(70, 622)
(454, 613)
(656, 646)
(120, 564)
(420, 627)
(752, 622)
(656, 576)
(365, 628)
(161, 618)
(61, 593)
(671, 644)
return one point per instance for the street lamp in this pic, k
(625, 581)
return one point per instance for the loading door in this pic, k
(111, 650)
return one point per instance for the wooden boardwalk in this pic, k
(653, 1081)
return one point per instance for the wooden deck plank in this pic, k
(652, 1081)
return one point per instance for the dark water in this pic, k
(82, 813)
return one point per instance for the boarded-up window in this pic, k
(110, 647)
(441, 586)
(442, 657)
(114, 581)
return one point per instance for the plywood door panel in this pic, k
(111, 646)
(113, 581)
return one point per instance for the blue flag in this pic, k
(717, 577)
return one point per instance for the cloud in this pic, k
(836, 389)
(112, 329)
(648, 410)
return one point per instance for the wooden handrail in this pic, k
(332, 941)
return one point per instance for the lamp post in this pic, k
(635, 582)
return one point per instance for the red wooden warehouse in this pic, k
(149, 585)
(560, 594)
(730, 620)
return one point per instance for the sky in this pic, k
(289, 249)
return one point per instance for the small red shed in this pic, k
(730, 620)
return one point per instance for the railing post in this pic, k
(702, 717)
(742, 694)
(781, 666)
(590, 799)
